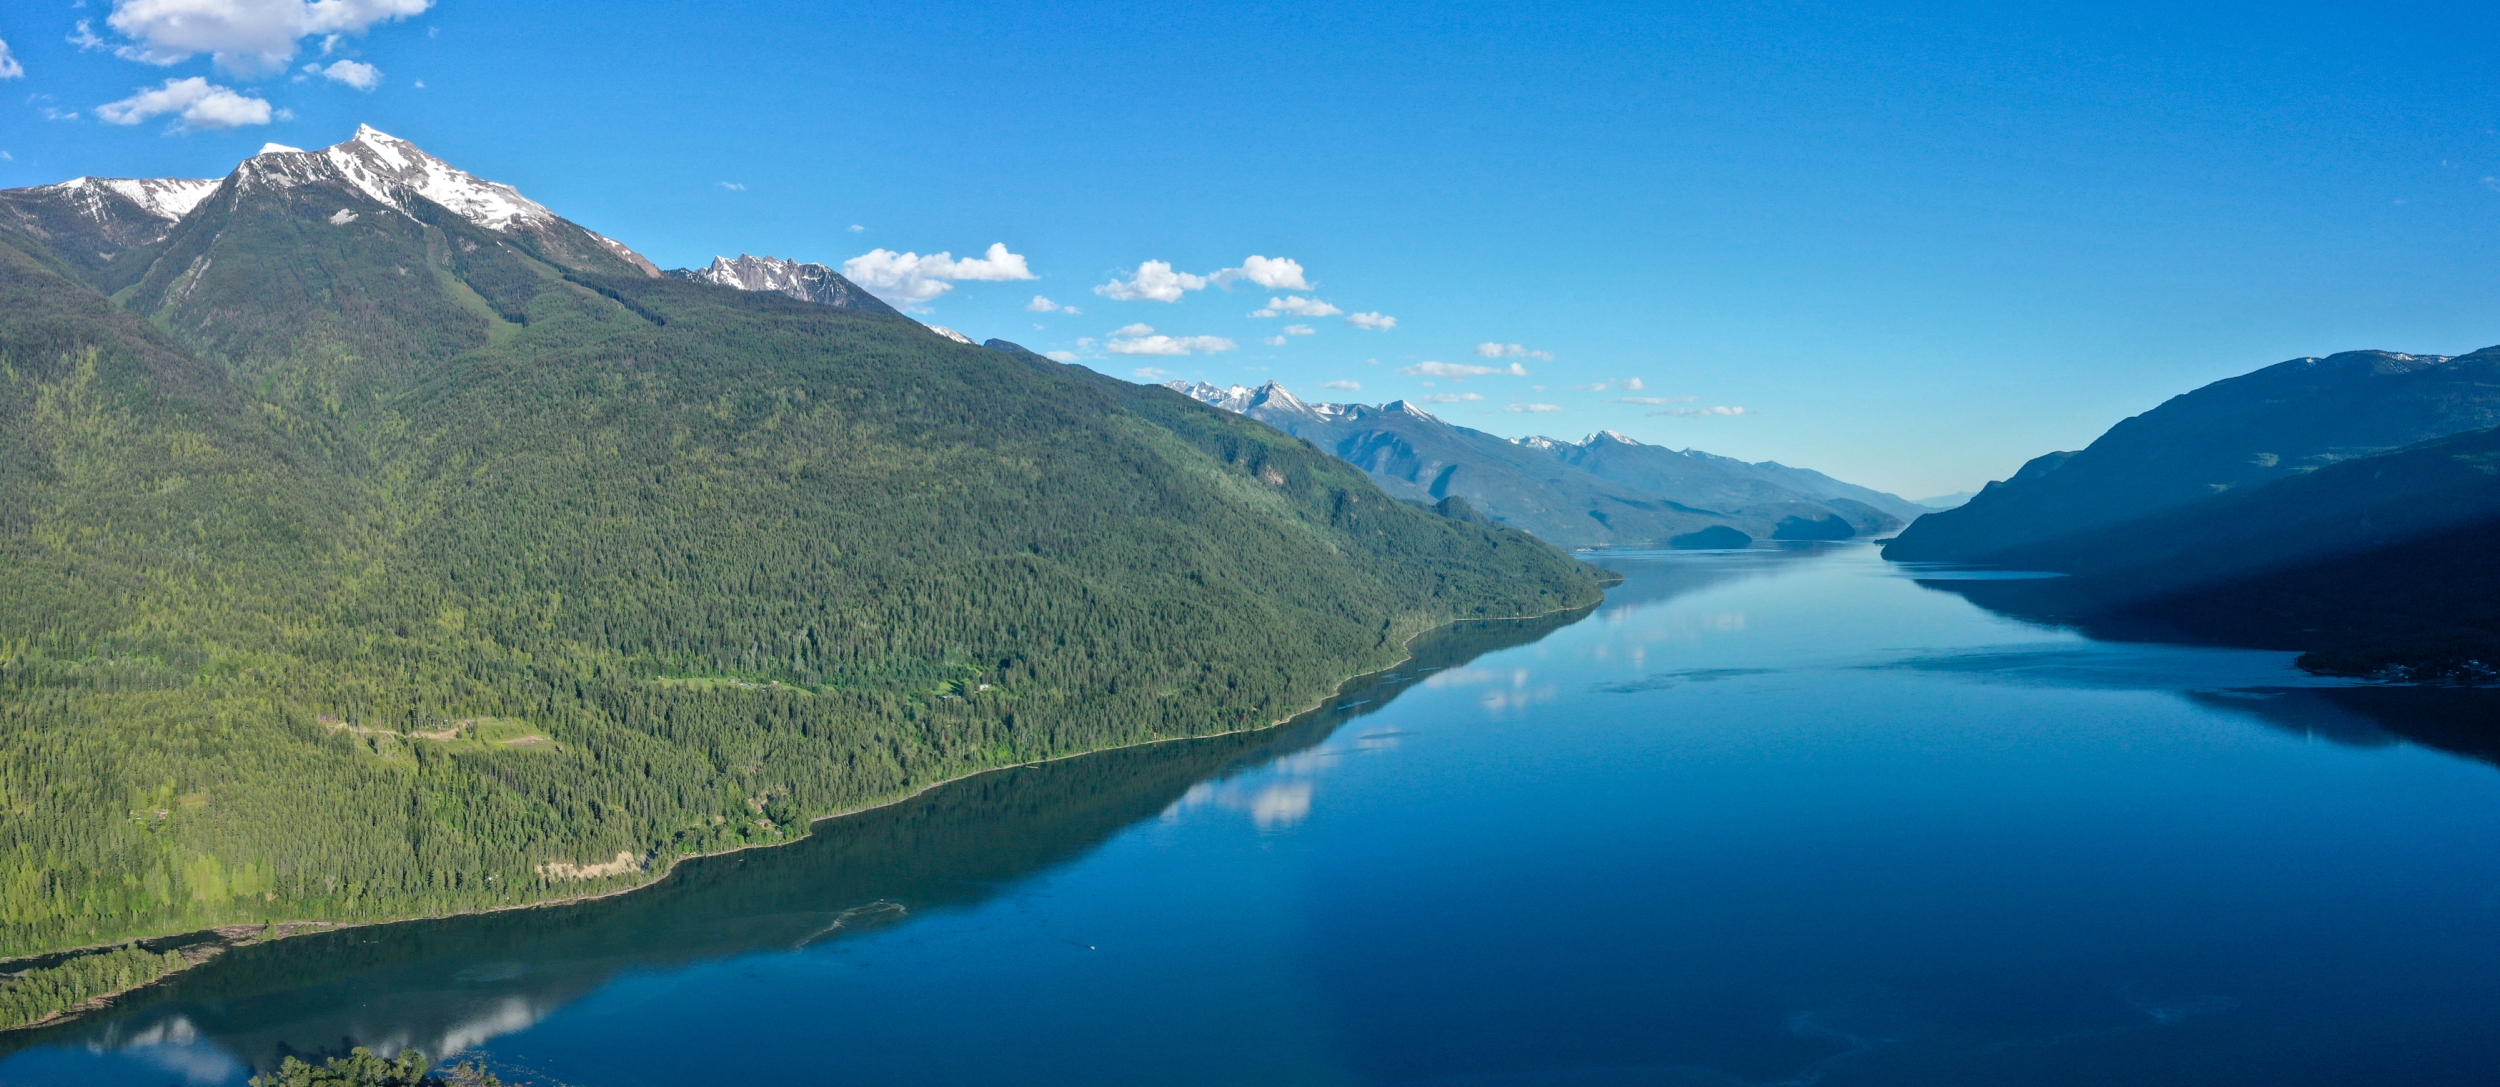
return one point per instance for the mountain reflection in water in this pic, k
(1769, 816)
(447, 985)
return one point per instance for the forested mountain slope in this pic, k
(2368, 562)
(2281, 421)
(419, 556)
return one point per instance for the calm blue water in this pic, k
(1769, 817)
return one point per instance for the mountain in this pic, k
(2368, 562)
(2285, 420)
(1946, 501)
(806, 282)
(1608, 490)
(391, 545)
(109, 228)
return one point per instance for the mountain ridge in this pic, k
(1607, 490)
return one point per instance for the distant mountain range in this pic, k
(2343, 504)
(1605, 491)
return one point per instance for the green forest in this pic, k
(361, 573)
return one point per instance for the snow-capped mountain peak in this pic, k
(167, 198)
(380, 163)
(804, 281)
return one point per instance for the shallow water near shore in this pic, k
(1764, 817)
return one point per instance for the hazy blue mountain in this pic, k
(2282, 421)
(1945, 501)
(1608, 490)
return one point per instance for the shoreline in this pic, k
(229, 937)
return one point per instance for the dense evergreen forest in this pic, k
(376, 573)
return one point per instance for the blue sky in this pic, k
(1917, 245)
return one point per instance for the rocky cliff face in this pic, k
(805, 281)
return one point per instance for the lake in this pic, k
(1787, 816)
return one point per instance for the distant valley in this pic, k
(1605, 491)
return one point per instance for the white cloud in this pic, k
(9, 67)
(1154, 281)
(1374, 321)
(1274, 341)
(1151, 373)
(1300, 330)
(1537, 408)
(1458, 371)
(1630, 383)
(1688, 412)
(246, 37)
(732, 186)
(1510, 351)
(195, 101)
(85, 37)
(1278, 274)
(1060, 356)
(1040, 304)
(1655, 400)
(1348, 386)
(1294, 305)
(913, 280)
(363, 77)
(1141, 340)
(1449, 398)
(858, 229)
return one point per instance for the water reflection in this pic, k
(450, 985)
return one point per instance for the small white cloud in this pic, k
(9, 67)
(1510, 351)
(1689, 412)
(246, 37)
(363, 77)
(1274, 341)
(858, 229)
(1277, 274)
(1294, 305)
(1151, 373)
(1376, 322)
(1154, 281)
(1040, 304)
(1536, 408)
(195, 102)
(1134, 330)
(1449, 398)
(7, 157)
(1348, 386)
(84, 37)
(2492, 183)
(420, 84)
(732, 186)
(1459, 371)
(1140, 340)
(1656, 400)
(1630, 383)
(1300, 330)
(1086, 342)
(913, 280)
(1060, 356)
